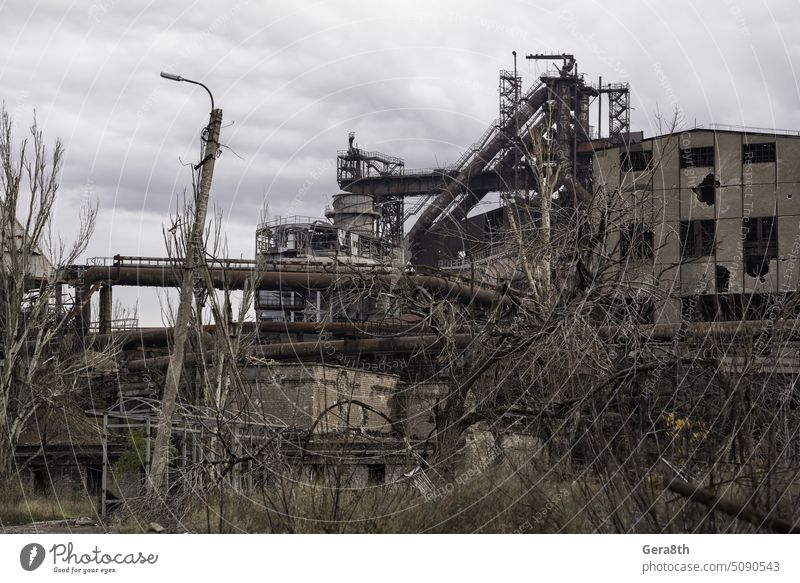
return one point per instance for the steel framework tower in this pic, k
(619, 110)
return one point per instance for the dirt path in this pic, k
(76, 526)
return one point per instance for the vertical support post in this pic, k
(148, 429)
(104, 477)
(599, 105)
(184, 457)
(85, 313)
(105, 309)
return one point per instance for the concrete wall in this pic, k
(415, 403)
(296, 394)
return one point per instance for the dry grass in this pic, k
(495, 502)
(18, 506)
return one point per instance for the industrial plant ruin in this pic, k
(546, 306)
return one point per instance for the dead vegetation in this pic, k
(598, 419)
(625, 426)
(19, 506)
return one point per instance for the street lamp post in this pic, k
(193, 260)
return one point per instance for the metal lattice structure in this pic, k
(619, 110)
(509, 89)
(355, 164)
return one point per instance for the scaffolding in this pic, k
(619, 110)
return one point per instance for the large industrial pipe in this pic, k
(658, 333)
(705, 330)
(163, 336)
(461, 210)
(330, 349)
(472, 199)
(530, 105)
(325, 349)
(133, 275)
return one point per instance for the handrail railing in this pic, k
(117, 324)
(462, 160)
(359, 154)
(133, 261)
(483, 256)
(745, 129)
(293, 220)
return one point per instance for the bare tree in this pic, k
(39, 363)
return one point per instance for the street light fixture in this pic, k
(173, 77)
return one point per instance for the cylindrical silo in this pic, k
(353, 212)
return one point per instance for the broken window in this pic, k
(698, 238)
(697, 157)
(636, 161)
(725, 307)
(276, 300)
(94, 479)
(376, 474)
(723, 278)
(636, 242)
(760, 244)
(706, 191)
(758, 153)
(41, 479)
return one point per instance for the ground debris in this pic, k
(82, 525)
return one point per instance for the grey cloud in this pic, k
(414, 79)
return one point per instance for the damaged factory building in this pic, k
(347, 363)
(715, 214)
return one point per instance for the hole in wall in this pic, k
(706, 190)
(723, 278)
(756, 266)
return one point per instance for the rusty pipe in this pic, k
(128, 275)
(162, 336)
(325, 349)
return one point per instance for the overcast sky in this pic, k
(416, 79)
